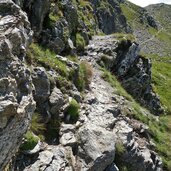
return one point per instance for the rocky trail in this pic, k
(90, 144)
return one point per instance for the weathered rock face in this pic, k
(132, 70)
(36, 11)
(71, 18)
(16, 100)
(110, 17)
(42, 88)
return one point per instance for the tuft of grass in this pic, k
(30, 141)
(80, 42)
(73, 58)
(64, 84)
(37, 126)
(73, 109)
(84, 76)
(120, 149)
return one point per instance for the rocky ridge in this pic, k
(90, 143)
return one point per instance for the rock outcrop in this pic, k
(58, 24)
(36, 11)
(110, 17)
(16, 99)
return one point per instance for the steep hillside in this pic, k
(152, 26)
(161, 13)
(151, 31)
(95, 70)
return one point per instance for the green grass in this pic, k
(46, 58)
(30, 141)
(161, 79)
(159, 130)
(80, 42)
(37, 125)
(73, 110)
(130, 14)
(107, 76)
(84, 76)
(161, 74)
(165, 36)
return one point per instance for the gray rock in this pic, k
(96, 149)
(36, 11)
(110, 18)
(68, 139)
(76, 94)
(16, 99)
(55, 158)
(65, 128)
(67, 133)
(112, 167)
(42, 88)
(56, 100)
(137, 154)
(70, 13)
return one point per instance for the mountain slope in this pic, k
(85, 117)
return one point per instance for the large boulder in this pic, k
(96, 149)
(16, 100)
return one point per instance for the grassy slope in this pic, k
(161, 13)
(158, 130)
(161, 75)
